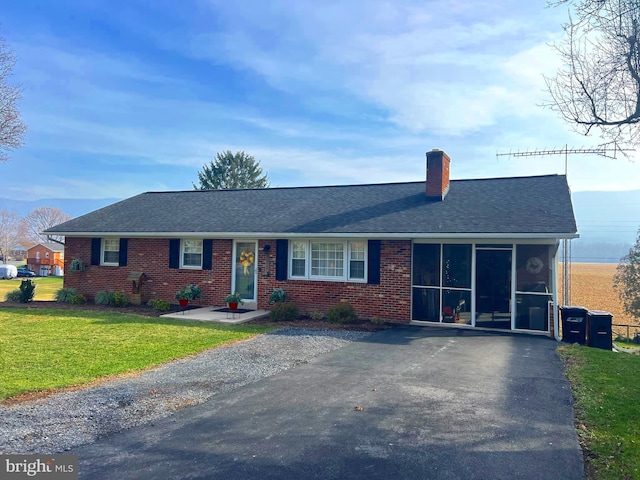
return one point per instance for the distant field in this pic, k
(46, 287)
(592, 287)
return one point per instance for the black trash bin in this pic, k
(599, 331)
(574, 324)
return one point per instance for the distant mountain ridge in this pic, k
(608, 222)
(71, 206)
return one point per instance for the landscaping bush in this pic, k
(103, 298)
(78, 299)
(13, 296)
(120, 300)
(342, 313)
(160, 305)
(27, 291)
(284, 312)
(111, 299)
(65, 295)
(278, 296)
(316, 315)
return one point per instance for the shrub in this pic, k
(27, 291)
(278, 296)
(120, 300)
(111, 299)
(377, 321)
(13, 296)
(104, 298)
(342, 313)
(78, 299)
(160, 305)
(65, 295)
(284, 312)
(316, 315)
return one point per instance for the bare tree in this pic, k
(12, 129)
(9, 232)
(599, 83)
(42, 218)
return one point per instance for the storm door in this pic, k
(493, 288)
(245, 275)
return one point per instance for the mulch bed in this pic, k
(146, 311)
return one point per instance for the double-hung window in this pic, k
(110, 251)
(328, 260)
(357, 260)
(191, 254)
(299, 259)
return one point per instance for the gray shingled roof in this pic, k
(537, 205)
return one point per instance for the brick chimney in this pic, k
(437, 174)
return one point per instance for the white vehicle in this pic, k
(7, 272)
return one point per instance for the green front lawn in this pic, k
(42, 349)
(606, 388)
(46, 287)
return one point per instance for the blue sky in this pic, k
(126, 97)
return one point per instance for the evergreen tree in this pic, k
(231, 171)
(627, 280)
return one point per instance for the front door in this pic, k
(245, 278)
(493, 288)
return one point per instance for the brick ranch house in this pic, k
(474, 253)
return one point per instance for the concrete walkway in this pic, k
(407, 403)
(213, 314)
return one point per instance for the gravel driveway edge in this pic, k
(63, 421)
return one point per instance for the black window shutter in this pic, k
(207, 254)
(96, 243)
(373, 258)
(282, 258)
(122, 258)
(174, 253)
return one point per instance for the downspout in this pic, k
(554, 278)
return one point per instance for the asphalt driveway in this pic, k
(406, 403)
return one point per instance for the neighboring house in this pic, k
(477, 253)
(19, 252)
(46, 259)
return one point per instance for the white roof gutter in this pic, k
(272, 235)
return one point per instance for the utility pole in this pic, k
(607, 150)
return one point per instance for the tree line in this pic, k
(27, 230)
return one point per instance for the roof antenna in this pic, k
(607, 150)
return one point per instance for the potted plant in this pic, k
(233, 300)
(190, 292)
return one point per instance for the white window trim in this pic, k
(191, 267)
(345, 277)
(306, 260)
(350, 259)
(102, 250)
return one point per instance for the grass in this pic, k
(44, 349)
(607, 394)
(46, 287)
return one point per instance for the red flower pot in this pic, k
(233, 305)
(183, 302)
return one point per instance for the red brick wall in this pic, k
(391, 300)
(150, 256)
